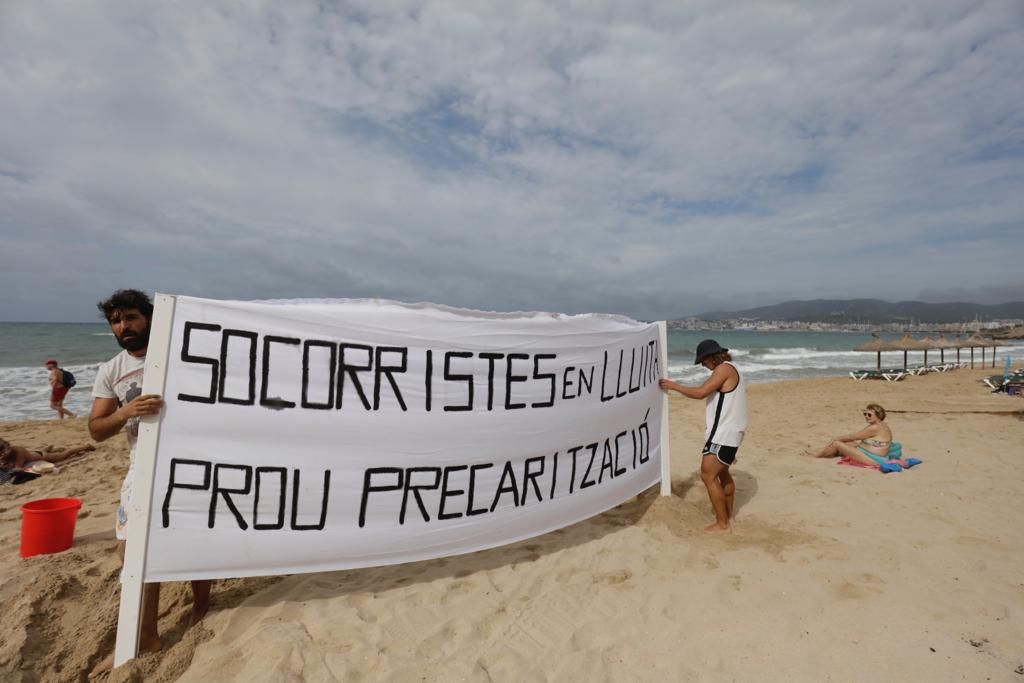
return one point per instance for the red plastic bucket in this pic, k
(48, 526)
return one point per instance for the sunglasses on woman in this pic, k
(868, 414)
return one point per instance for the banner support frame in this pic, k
(129, 616)
(666, 451)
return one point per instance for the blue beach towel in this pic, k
(892, 462)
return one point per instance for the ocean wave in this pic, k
(772, 353)
(24, 391)
(837, 359)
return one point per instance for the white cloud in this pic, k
(651, 159)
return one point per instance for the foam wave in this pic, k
(755, 369)
(787, 354)
(775, 364)
(772, 353)
(24, 391)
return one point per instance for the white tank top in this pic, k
(725, 415)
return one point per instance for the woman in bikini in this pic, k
(874, 440)
(18, 458)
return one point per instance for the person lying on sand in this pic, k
(874, 440)
(19, 459)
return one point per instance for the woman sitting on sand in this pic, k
(874, 439)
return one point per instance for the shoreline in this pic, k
(979, 374)
(830, 569)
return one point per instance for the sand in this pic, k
(832, 574)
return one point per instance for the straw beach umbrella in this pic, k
(942, 344)
(978, 341)
(908, 343)
(877, 345)
(931, 346)
(961, 344)
(970, 343)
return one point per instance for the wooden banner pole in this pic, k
(666, 457)
(129, 616)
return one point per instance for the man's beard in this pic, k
(136, 342)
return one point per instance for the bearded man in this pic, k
(118, 403)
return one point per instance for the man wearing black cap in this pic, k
(726, 417)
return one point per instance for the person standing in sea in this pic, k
(118, 403)
(725, 396)
(57, 389)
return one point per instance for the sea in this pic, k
(763, 356)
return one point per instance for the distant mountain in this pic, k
(873, 311)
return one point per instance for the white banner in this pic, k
(303, 436)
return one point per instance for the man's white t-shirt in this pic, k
(121, 378)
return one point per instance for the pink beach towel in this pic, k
(903, 463)
(853, 463)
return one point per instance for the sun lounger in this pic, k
(888, 374)
(943, 367)
(1001, 382)
(994, 382)
(894, 375)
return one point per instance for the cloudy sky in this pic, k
(656, 159)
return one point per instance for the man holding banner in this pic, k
(726, 414)
(118, 403)
(415, 431)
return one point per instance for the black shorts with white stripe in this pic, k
(725, 454)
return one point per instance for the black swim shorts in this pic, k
(725, 454)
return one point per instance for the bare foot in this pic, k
(200, 601)
(198, 612)
(716, 528)
(107, 663)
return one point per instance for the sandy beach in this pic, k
(832, 573)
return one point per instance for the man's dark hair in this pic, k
(124, 299)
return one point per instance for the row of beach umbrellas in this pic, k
(908, 343)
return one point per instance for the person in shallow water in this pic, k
(57, 390)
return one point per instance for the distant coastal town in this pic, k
(1010, 328)
(1004, 320)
